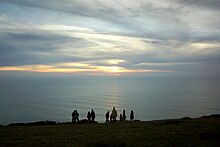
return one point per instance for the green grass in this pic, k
(195, 132)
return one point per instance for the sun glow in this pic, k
(115, 61)
(76, 67)
(204, 45)
(111, 69)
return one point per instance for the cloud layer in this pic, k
(110, 37)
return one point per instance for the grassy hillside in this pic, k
(181, 132)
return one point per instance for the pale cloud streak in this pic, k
(79, 68)
(119, 36)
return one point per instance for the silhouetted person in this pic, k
(111, 118)
(114, 114)
(124, 116)
(93, 115)
(76, 116)
(73, 116)
(107, 117)
(89, 116)
(121, 117)
(132, 115)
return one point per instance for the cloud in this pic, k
(211, 4)
(23, 47)
(105, 36)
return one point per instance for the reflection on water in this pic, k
(113, 97)
(32, 99)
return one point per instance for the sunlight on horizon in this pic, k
(79, 68)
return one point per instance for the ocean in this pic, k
(34, 98)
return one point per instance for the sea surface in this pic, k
(25, 99)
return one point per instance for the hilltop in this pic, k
(204, 131)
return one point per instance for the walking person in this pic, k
(107, 117)
(132, 115)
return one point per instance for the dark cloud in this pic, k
(208, 4)
(35, 40)
(41, 36)
(37, 47)
(73, 7)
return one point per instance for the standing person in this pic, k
(114, 114)
(93, 115)
(124, 116)
(89, 116)
(107, 117)
(132, 115)
(111, 118)
(73, 116)
(121, 117)
(76, 116)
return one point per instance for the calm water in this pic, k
(41, 98)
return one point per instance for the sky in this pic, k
(110, 37)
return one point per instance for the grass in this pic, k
(193, 132)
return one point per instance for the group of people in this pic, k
(75, 116)
(91, 116)
(113, 116)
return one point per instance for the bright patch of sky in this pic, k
(110, 37)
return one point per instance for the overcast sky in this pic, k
(110, 36)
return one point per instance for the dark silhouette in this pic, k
(113, 115)
(89, 116)
(107, 117)
(111, 118)
(124, 116)
(121, 117)
(37, 123)
(75, 116)
(132, 115)
(93, 115)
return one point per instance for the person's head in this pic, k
(113, 108)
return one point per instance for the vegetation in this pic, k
(179, 132)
